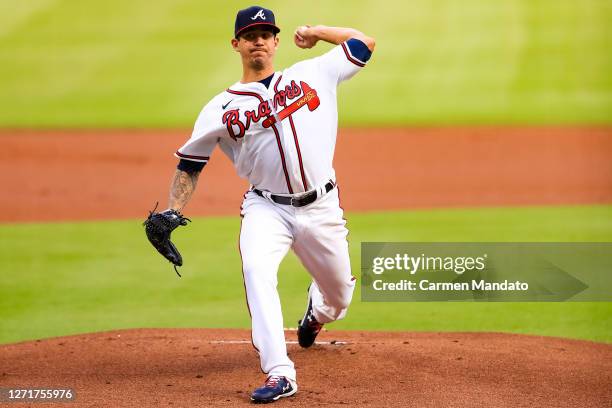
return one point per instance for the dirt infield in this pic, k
(198, 368)
(81, 175)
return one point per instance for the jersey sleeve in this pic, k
(205, 136)
(344, 60)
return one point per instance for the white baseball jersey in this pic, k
(294, 154)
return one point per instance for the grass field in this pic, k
(65, 278)
(67, 63)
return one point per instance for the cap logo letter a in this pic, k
(259, 14)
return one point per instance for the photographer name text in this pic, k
(426, 285)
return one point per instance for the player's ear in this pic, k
(235, 42)
(276, 40)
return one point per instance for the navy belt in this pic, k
(296, 201)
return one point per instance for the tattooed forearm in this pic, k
(181, 189)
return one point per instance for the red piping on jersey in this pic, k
(277, 82)
(350, 57)
(278, 141)
(280, 148)
(245, 93)
(297, 145)
(190, 156)
(353, 278)
(246, 296)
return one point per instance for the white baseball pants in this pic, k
(317, 233)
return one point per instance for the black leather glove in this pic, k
(159, 226)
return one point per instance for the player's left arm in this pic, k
(182, 187)
(307, 36)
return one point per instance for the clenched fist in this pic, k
(305, 37)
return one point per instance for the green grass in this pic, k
(67, 63)
(66, 278)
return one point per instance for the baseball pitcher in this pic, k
(279, 129)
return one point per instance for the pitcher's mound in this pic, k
(202, 368)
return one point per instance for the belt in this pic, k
(297, 201)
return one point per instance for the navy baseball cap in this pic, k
(254, 16)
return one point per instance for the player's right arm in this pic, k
(307, 36)
(353, 50)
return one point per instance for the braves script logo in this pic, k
(259, 14)
(309, 98)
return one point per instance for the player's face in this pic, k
(257, 48)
